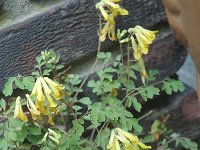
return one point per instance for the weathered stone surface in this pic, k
(166, 55)
(183, 110)
(69, 28)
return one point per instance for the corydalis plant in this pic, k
(53, 115)
(42, 101)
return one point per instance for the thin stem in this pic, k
(62, 73)
(121, 49)
(145, 115)
(95, 63)
(92, 134)
(16, 146)
(62, 117)
(127, 71)
(41, 74)
(133, 93)
(104, 125)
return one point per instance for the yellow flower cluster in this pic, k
(45, 92)
(128, 141)
(141, 39)
(109, 10)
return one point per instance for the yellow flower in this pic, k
(129, 141)
(143, 69)
(103, 33)
(144, 37)
(50, 120)
(129, 136)
(51, 101)
(56, 88)
(37, 91)
(143, 46)
(41, 106)
(32, 108)
(103, 12)
(108, 29)
(111, 141)
(113, 8)
(118, 11)
(150, 35)
(45, 86)
(143, 146)
(45, 92)
(136, 51)
(18, 113)
(109, 10)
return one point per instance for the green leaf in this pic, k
(35, 73)
(10, 136)
(148, 139)
(47, 72)
(76, 107)
(155, 127)
(103, 55)
(91, 83)
(187, 144)
(58, 67)
(132, 101)
(171, 85)
(3, 104)
(33, 139)
(33, 130)
(143, 94)
(102, 138)
(21, 135)
(19, 83)
(39, 59)
(8, 87)
(129, 124)
(15, 124)
(85, 101)
(151, 91)
(29, 82)
(4, 144)
(137, 127)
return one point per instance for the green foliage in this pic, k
(132, 101)
(171, 85)
(109, 110)
(170, 140)
(83, 121)
(19, 82)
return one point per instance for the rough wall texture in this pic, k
(69, 28)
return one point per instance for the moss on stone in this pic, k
(14, 10)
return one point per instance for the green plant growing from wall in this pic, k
(53, 115)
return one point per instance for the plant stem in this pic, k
(145, 115)
(92, 134)
(94, 64)
(104, 125)
(62, 73)
(121, 49)
(127, 72)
